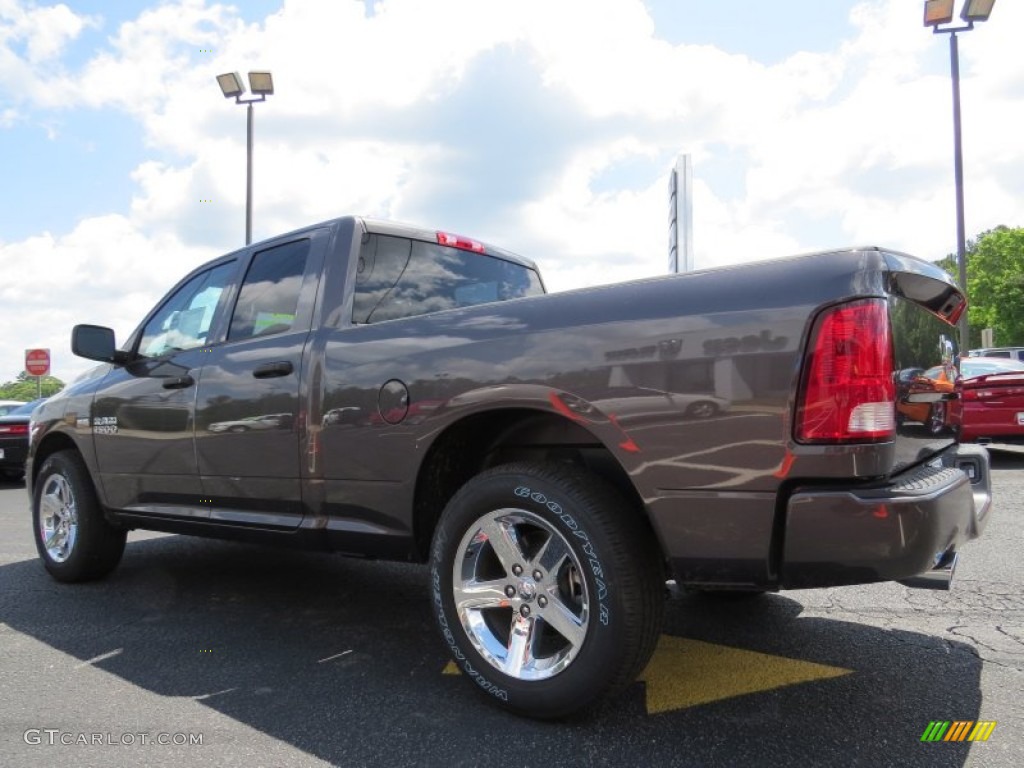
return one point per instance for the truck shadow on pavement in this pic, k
(340, 658)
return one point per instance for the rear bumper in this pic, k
(912, 525)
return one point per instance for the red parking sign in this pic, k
(37, 362)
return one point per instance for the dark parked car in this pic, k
(14, 439)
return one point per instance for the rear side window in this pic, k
(398, 278)
(269, 296)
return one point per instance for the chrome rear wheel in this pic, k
(520, 595)
(548, 587)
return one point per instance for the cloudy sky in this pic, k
(544, 126)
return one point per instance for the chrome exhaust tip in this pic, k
(939, 577)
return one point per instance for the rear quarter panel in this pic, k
(621, 361)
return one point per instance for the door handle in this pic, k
(179, 382)
(271, 370)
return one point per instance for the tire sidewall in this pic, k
(587, 676)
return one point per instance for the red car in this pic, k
(992, 399)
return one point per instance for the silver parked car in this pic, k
(1014, 353)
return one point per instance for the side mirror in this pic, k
(94, 342)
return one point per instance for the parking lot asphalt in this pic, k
(280, 658)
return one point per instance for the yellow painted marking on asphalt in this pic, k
(685, 673)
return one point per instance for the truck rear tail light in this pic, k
(458, 241)
(848, 393)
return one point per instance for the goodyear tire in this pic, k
(547, 588)
(74, 540)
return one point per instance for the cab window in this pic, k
(397, 278)
(184, 321)
(270, 292)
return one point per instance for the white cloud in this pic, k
(44, 32)
(41, 35)
(520, 121)
(104, 271)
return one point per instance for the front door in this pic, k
(143, 422)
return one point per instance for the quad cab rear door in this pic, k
(250, 408)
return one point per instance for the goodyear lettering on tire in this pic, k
(460, 658)
(604, 613)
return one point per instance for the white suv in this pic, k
(9, 405)
(1014, 353)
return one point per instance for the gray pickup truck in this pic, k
(391, 392)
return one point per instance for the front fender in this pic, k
(63, 422)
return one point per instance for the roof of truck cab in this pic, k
(399, 229)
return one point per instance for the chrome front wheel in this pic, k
(58, 518)
(74, 539)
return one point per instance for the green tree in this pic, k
(948, 263)
(24, 387)
(995, 284)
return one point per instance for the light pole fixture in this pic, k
(937, 14)
(262, 85)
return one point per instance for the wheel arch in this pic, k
(486, 439)
(56, 441)
(51, 444)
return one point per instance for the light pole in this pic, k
(938, 13)
(262, 85)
